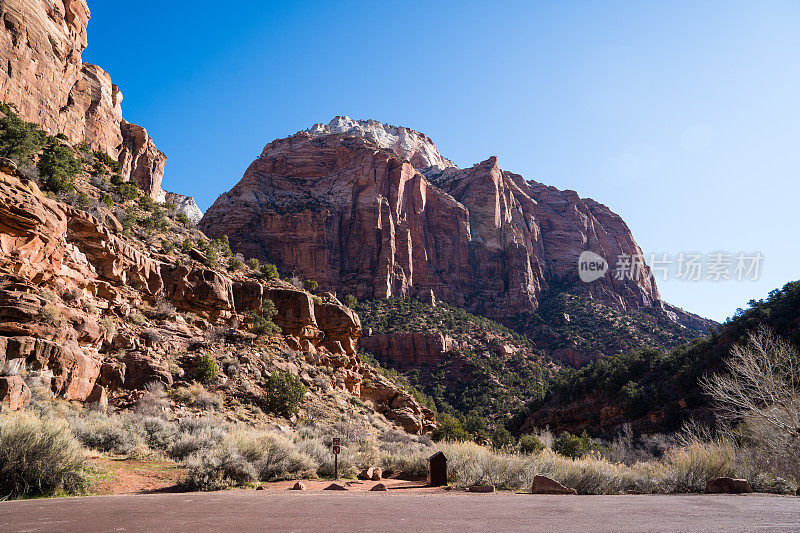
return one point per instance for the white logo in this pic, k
(591, 267)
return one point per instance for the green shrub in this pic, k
(147, 203)
(253, 263)
(262, 323)
(310, 285)
(450, 429)
(284, 393)
(212, 258)
(207, 369)
(116, 180)
(476, 425)
(222, 245)
(107, 200)
(38, 456)
(62, 136)
(98, 169)
(234, 264)
(350, 301)
(574, 446)
(183, 219)
(109, 161)
(268, 270)
(58, 168)
(129, 219)
(127, 190)
(20, 140)
(529, 444)
(502, 439)
(187, 245)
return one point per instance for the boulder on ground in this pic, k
(299, 486)
(14, 394)
(366, 474)
(335, 486)
(377, 474)
(380, 487)
(98, 396)
(545, 485)
(481, 488)
(727, 485)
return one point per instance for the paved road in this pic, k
(237, 511)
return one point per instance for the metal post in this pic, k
(336, 466)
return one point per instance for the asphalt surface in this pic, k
(236, 511)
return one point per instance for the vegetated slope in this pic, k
(575, 330)
(462, 361)
(657, 390)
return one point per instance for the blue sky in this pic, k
(683, 117)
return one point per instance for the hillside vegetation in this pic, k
(575, 329)
(491, 370)
(657, 390)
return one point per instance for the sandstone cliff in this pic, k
(375, 211)
(43, 75)
(95, 312)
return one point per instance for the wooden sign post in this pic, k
(337, 443)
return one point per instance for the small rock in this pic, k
(260, 487)
(377, 474)
(336, 486)
(481, 488)
(545, 485)
(380, 487)
(722, 485)
(366, 473)
(300, 486)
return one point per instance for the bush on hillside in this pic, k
(20, 140)
(207, 369)
(284, 393)
(58, 168)
(38, 456)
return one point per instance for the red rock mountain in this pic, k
(373, 210)
(43, 75)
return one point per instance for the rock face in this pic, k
(408, 348)
(375, 211)
(186, 205)
(43, 75)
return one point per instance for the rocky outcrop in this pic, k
(43, 75)
(14, 393)
(186, 205)
(396, 404)
(141, 161)
(409, 348)
(411, 145)
(353, 207)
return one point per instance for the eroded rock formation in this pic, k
(375, 211)
(43, 75)
(67, 277)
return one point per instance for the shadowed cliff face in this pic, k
(43, 75)
(347, 210)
